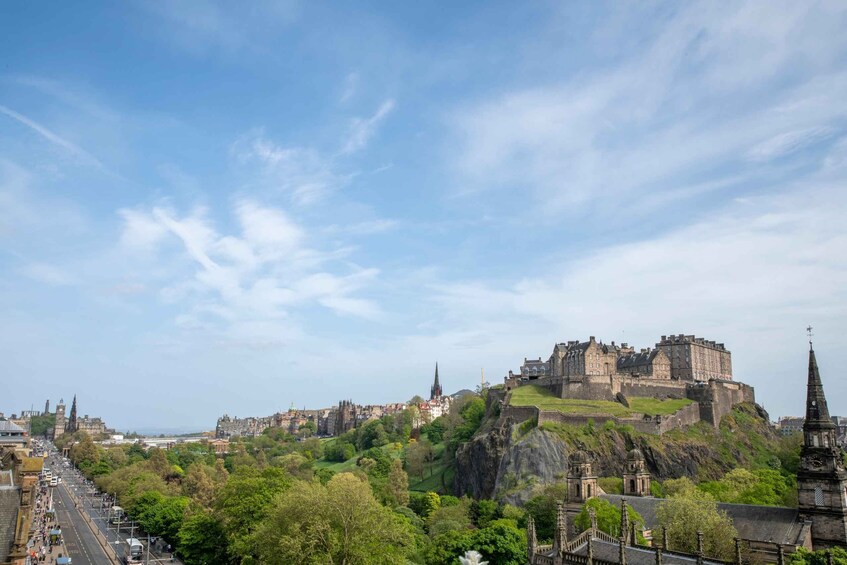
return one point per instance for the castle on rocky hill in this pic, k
(679, 367)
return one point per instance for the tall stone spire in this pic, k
(531, 540)
(72, 418)
(46, 407)
(821, 478)
(560, 536)
(817, 412)
(435, 391)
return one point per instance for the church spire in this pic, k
(435, 391)
(817, 412)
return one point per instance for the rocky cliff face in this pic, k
(504, 464)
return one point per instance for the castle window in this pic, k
(818, 496)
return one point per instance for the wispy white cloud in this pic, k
(52, 137)
(674, 109)
(363, 129)
(303, 173)
(789, 142)
(250, 280)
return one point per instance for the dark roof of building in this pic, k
(607, 551)
(761, 523)
(637, 359)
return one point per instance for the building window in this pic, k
(818, 496)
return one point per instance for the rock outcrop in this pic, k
(503, 463)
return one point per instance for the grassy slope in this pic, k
(532, 395)
(432, 481)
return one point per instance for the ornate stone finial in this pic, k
(780, 554)
(665, 538)
(658, 556)
(828, 557)
(560, 539)
(624, 519)
(699, 548)
(810, 334)
(633, 534)
(531, 540)
(592, 516)
(737, 551)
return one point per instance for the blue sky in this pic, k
(212, 208)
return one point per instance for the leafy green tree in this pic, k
(608, 517)
(244, 502)
(295, 465)
(418, 454)
(340, 523)
(449, 518)
(199, 484)
(484, 512)
(611, 485)
(398, 484)
(473, 412)
(435, 430)
(40, 425)
(684, 515)
(805, 557)
(85, 453)
(542, 508)
(201, 540)
(424, 503)
(501, 543)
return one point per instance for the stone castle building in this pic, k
(679, 357)
(680, 367)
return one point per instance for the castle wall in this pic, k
(712, 401)
(656, 425)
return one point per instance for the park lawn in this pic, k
(534, 395)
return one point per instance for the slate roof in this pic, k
(606, 551)
(760, 523)
(10, 426)
(636, 359)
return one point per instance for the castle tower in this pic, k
(582, 482)
(59, 426)
(72, 425)
(435, 391)
(821, 479)
(636, 479)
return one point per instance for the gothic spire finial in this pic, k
(809, 331)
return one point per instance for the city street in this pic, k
(81, 544)
(92, 503)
